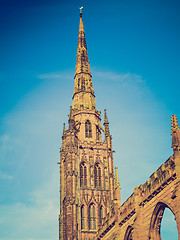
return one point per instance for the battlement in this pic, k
(157, 181)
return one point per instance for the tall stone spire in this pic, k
(83, 96)
(175, 132)
(86, 160)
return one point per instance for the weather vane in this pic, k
(81, 9)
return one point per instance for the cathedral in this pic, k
(90, 202)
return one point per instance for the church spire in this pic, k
(83, 96)
(82, 60)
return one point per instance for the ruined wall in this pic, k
(139, 218)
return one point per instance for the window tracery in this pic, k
(88, 129)
(98, 133)
(83, 175)
(97, 176)
(82, 217)
(101, 214)
(92, 216)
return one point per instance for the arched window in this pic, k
(98, 133)
(83, 175)
(128, 234)
(88, 130)
(97, 176)
(82, 218)
(101, 214)
(92, 216)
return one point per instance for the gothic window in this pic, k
(101, 214)
(129, 233)
(97, 176)
(83, 175)
(97, 133)
(92, 217)
(88, 130)
(82, 218)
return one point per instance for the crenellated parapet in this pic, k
(157, 181)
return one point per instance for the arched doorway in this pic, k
(156, 219)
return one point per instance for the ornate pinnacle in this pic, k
(64, 129)
(175, 132)
(174, 124)
(70, 114)
(117, 184)
(71, 119)
(117, 188)
(105, 117)
(106, 124)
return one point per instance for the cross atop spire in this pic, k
(83, 95)
(81, 10)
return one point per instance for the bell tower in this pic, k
(87, 185)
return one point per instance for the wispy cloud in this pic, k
(57, 75)
(120, 77)
(4, 175)
(110, 76)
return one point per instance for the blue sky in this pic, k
(134, 51)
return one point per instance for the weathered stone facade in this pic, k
(90, 205)
(86, 161)
(141, 214)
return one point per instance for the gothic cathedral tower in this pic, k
(88, 189)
